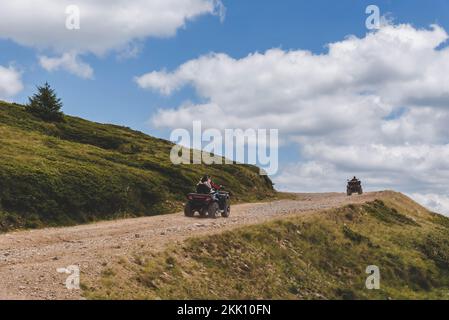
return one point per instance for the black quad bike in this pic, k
(354, 186)
(210, 205)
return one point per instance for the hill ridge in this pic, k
(77, 171)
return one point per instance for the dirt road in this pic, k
(29, 259)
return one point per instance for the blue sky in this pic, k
(113, 96)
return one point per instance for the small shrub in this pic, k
(441, 220)
(45, 104)
(379, 210)
(353, 236)
(437, 249)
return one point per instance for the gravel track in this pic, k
(29, 259)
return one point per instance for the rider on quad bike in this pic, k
(206, 186)
(208, 200)
(354, 186)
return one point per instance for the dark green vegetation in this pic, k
(316, 256)
(45, 104)
(76, 171)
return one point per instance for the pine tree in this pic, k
(45, 104)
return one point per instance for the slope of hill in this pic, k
(322, 255)
(78, 171)
(27, 257)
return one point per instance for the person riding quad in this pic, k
(206, 186)
(354, 186)
(209, 200)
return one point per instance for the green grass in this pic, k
(77, 171)
(316, 256)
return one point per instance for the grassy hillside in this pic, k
(78, 171)
(317, 256)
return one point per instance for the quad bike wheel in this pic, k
(203, 212)
(227, 210)
(188, 212)
(213, 210)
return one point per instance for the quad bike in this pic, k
(354, 186)
(208, 205)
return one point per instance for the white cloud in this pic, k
(68, 62)
(376, 106)
(359, 80)
(436, 202)
(104, 25)
(10, 82)
(310, 176)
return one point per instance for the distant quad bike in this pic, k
(210, 205)
(354, 186)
